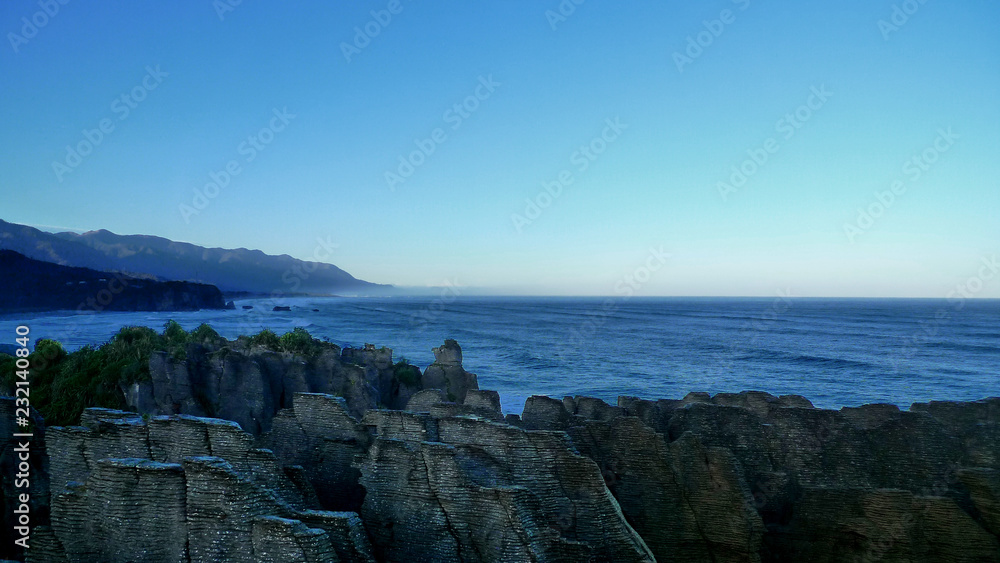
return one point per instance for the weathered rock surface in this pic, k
(282, 539)
(984, 494)
(842, 524)
(447, 373)
(249, 385)
(735, 477)
(784, 452)
(128, 510)
(321, 436)
(488, 492)
(182, 488)
(423, 400)
(917, 485)
(687, 501)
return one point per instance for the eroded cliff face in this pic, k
(431, 488)
(180, 488)
(34, 285)
(859, 484)
(446, 477)
(467, 489)
(250, 384)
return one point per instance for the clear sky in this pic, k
(313, 120)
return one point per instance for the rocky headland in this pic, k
(233, 270)
(34, 285)
(302, 452)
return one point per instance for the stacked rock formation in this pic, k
(180, 488)
(447, 373)
(447, 477)
(462, 488)
(249, 385)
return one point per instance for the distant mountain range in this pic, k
(231, 270)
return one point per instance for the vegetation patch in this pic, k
(266, 339)
(406, 373)
(299, 341)
(63, 383)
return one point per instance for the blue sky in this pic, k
(266, 89)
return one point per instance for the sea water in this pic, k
(836, 352)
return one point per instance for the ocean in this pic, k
(835, 352)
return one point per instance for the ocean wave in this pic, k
(778, 356)
(964, 347)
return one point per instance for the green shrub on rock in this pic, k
(266, 339)
(406, 373)
(63, 384)
(130, 350)
(205, 334)
(298, 341)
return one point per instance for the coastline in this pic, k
(701, 478)
(836, 353)
(378, 460)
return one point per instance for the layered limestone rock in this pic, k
(939, 456)
(422, 401)
(544, 413)
(321, 436)
(391, 390)
(346, 531)
(984, 493)
(477, 402)
(222, 506)
(245, 385)
(468, 489)
(201, 492)
(232, 518)
(447, 373)
(734, 477)
(975, 424)
(282, 539)
(843, 524)
(776, 449)
(484, 403)
(237, 381)
(309, 475)
(686, 500)
(129, 510)
(200, 511)
(110, 434)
